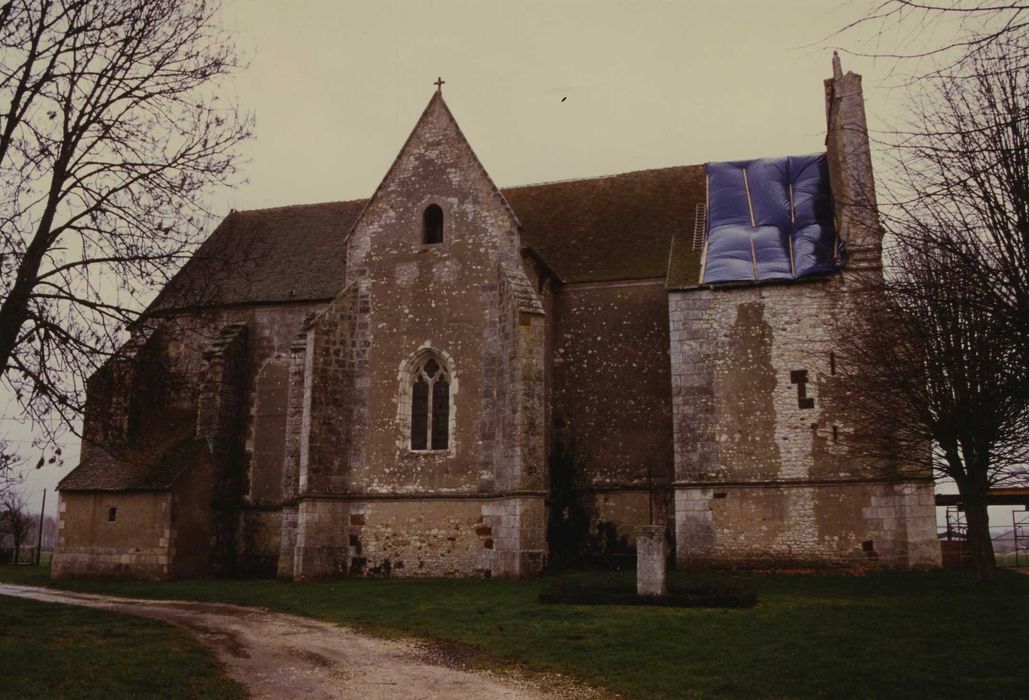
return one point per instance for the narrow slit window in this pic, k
(112, 514)
(432, 225)
(430, 407)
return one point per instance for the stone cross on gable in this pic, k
(440, 82)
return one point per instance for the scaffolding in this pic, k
(1010, 544)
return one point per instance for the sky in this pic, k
(543, 91)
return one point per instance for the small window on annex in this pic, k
(112, 514)
(432, 225)
(430, 406)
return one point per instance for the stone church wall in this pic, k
(467, 301)
(762, 475)
(271, 331)
(419, 538)
(612, 408)
(136, 544)
(325, 412)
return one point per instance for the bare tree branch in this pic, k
(940, 351)
(113, 134)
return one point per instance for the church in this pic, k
(452, 379)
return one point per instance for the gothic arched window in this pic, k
(432, 224)
(430, 406)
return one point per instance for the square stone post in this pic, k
(651, 560)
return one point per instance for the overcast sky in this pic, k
(544, 90)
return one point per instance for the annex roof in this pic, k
(150, 465)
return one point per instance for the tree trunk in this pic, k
(979, 542)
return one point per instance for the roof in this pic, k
(617, 227)
(151, 465)
(294, 253)
(1005, 496)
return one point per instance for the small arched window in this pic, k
(432, 225)
(430, 407)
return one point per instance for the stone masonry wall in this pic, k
(322, 405)
(419, 538)
(762, 472)
(612, 410)
(465, 300)
(136, 544)
(258, 473)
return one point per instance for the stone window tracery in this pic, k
(430, 406)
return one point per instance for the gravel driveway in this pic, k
(283, 656)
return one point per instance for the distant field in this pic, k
(885, 635)
(1011, 559)
(59, 651)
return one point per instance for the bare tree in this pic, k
(49, 533)
(14, 519)
(931, 37)
(962, 181)
(939, 354)
(113, 132)
(8, 461)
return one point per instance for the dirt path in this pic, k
(284, 656)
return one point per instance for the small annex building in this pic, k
(452, 379)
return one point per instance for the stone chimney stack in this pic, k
(850, 170)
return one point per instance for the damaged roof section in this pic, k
(769, 219)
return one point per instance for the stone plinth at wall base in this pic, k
(110, 563)
(651, 560)
(319, 562)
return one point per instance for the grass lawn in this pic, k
(884, 635)
(60, 651)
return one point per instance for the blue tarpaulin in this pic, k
(770, 219)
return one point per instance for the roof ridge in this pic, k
(601, 177)
(359, 200)
(282, 207)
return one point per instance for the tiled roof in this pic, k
(292, 253)
(150, 465)
(602, 229)
(610, 228)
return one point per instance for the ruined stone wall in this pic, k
(762, 472)
(136, 544)
(612, 408)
